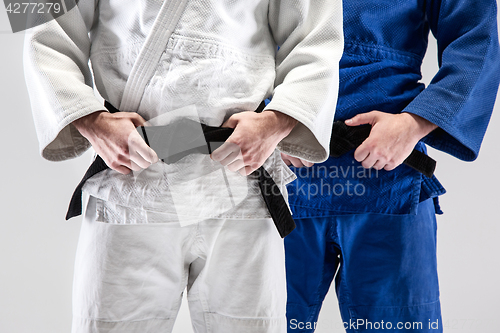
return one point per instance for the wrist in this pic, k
(86, 123)
(421, 126)
(284, 124)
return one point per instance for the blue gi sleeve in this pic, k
(461, 96)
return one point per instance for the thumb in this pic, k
(362, 118)
(136, 119)
(231, 122)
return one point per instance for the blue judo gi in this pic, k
(378, 228)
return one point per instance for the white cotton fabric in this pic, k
(221, 57)
(194, 188)
(130, 278)
(134, 258)
(219, 60)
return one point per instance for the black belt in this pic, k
(270, 191)
(346, 138)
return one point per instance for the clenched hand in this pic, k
(392, 138)
(114, 137)
(254, 139)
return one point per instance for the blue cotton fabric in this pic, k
(387, 272)
(385, 42)
(375, 231)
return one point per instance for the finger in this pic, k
(369, 161)
(137, 159)
(379, 165)
(148, 154)
(362, 118)
(224, 151)
(119, 167)
(134, 166)
(236, 165)
(307, 163)
(232, 157)
(390, 166)
(361, 153)
(297, 162)
(136, 119)
(123, 170)
(125, 161)
(144, 151)
(247, 170)
(287, 161)
(140, 152)
(394, 163)
(231, 122)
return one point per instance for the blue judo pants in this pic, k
(384, 266)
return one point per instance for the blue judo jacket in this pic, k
(385, 42)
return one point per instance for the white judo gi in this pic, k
(216, 58)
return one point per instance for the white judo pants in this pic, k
(129, 278)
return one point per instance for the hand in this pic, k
(115, 139)
(254, 139)
(295, 161)
(392, 138)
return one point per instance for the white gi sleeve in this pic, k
(310, 37)
(59, 80)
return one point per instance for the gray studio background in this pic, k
(37, 245)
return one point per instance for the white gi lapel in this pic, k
(155, 44)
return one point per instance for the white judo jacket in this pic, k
(217, 57)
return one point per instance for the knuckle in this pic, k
(393, 162)
(215, 155)
(133, 139)
(382, 159)
(115, 164)
(236, 143)
(136, 116)
(389, 167)
(123, 149)
(372, 145)
(381, 154)
(255, 165)
(122, 158)
(248, 157)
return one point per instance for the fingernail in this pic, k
(348, 121)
